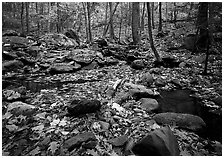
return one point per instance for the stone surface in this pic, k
(87, 140)
(63, 68)
(78, 107)
(20, 108)
(160, 142)
(149, 104)
(186, 121)
(119, 141)
(147, 79)
(138, 64)
(12, 65)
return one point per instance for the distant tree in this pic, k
(58, 18)
(38, 23)
(153, 23)
(143, 18)
(160, 17)
(150, 34)
(135, 22)
(112, 36)
(89, 22)
(27, 18)
(21, 17)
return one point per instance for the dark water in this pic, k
(182, 101)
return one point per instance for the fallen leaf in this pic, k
(53, 147)
(12, 127)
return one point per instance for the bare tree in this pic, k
(21, 17)
(150, 34)
(160, 17)
(135, 22)
(89, 23)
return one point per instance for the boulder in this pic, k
(20, 108)
(149, 104)
(138, 64)
(78, 107)
(9, 55)
(147, 79)
(71, 33)
(87, 140)
(119, 141)
(185, 121)
(10, 33)
(63, 68)
(12, 65)
(16, 41)
(160, 142)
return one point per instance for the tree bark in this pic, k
(142, 18)
(135, 22)
(89, 23)
(58, 18)
(150, 34)
(27, 18)
(153, 23)
(21, 17)
(38, 24)
(160, 17)
(105, 27)
(86, 21)
(121, 20)
(112, 36)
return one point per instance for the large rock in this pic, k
(63, 68)
(147, 79)
(54, 40)
(20, 108)
(16, 41)
(9, 55)
(78, 107)
(71, 33)
(12, 65)
(149, 104)
(119, 141)
(186, 121)
(87, 140)
(160, 142)
(138, 64)
(10, 33)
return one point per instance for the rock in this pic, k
(121, 97)
(155, 70)
(176, 82)
(186, 121)
(160, 142)
(54, 41)
(16, 41)
(217, 100)
(160, 82)
(78, 107)
(10, 95)
(182, 64)
(189, 41)
(147, 79)
(92, 65)
(101, 42)
(119, 141)
(33, 50)
(104, 125)
(87, 140)
(71, 33)
(10, 33)
(12, 65)
(149, 104)
(20, 108)
(63, 68)
(9, 55)
(138, 64)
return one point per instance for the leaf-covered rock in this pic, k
(186, 121)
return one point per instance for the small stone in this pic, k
(104, 125)
(182, 64)
(149, 104)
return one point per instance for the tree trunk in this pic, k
(135, 22)
(38, 24)
(58, 18)
(142, 18)
(89, 23)
(86, 21)
(27, 18)
(105, 27)
(175, 14)
(112, 36)
(49, 20)
(160, 17)
(21, 17)
(150, 34)
(121, 19)
(153, 23)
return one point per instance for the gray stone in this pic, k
(78, 107)
(160, 142)
(87, 139)
(119, 141)
(186, 121)
(149, 104)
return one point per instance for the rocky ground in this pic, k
(61, 97)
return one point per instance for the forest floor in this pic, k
(44, 127)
